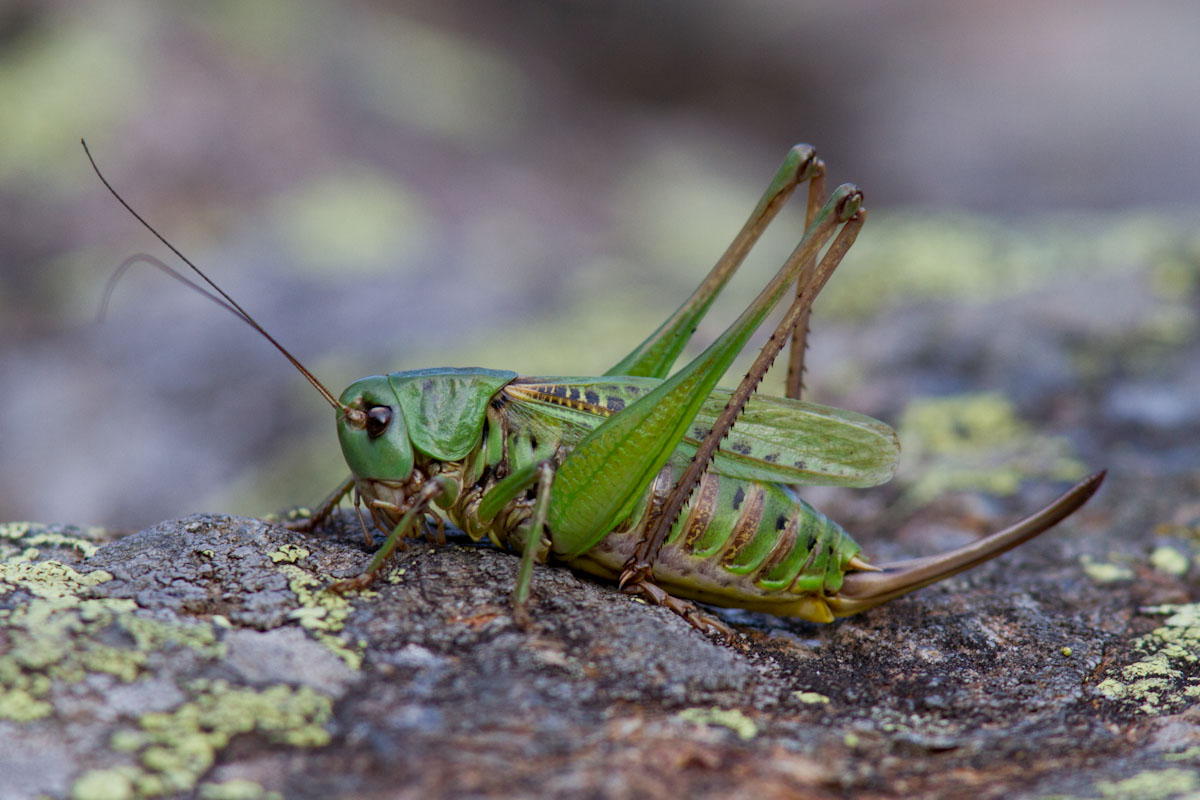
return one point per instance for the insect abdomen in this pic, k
(764, 534)
(739, 543)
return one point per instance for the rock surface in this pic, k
(201, 657)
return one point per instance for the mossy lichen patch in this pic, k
(323, 613)
(62, 633)
(811, 698)
(289, 554)
(104, 784)
(963, 258)
(1169, 560)
(70, 644)
(50, 627)
(1158, 784)
(1103, 571)
(976, 442)
(174, 749)
(1166, 677)
(25, 535)
(1191, 754)
(24, 541)
(733, 719)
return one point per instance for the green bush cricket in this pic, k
(674, 488)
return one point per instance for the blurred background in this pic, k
(535, 184)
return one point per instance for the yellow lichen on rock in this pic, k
(811, 698)
(322, 612)
(289, 553)
(1104, 572)
(54, 636)
(1169, 560)
(730, 718)
(51, 637)
(61, 629)
(975, 442)
(1157, 682)
(174, 749)
(103, 784)
(1152, 785)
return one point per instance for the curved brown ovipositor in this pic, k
(873, 585)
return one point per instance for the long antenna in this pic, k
(354, 415)
(157, 263)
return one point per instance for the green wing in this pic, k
(775, 439)
(797, 442)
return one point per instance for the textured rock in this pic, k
(153, 667)
(203, 657)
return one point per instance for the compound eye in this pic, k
(378, 419)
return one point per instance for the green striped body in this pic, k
(738, 542)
